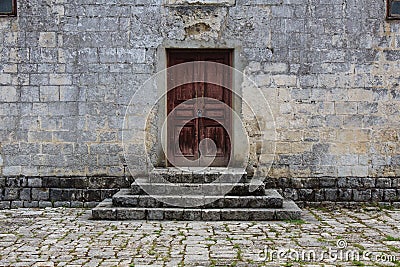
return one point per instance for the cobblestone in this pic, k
(68, 237)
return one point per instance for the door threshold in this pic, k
(207, 170)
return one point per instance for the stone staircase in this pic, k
(210, 195)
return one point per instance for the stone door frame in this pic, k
(161, 64)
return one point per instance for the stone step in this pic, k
(106, 211)
(197, 175)
(271, 199)
(142, 186)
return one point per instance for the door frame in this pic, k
(230, 54)
(158, 158)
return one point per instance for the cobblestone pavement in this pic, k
(67, 237)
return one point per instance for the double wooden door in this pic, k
(199, 112)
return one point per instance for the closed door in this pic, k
(199, 112)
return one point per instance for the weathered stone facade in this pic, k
(329, 69)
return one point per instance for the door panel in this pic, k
(186, 139)
(218, 135)
(187, 132)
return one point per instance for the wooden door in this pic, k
(189, 105)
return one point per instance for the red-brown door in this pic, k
(191, 105)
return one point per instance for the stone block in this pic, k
(344, 171)
(327, 182)
(219, 202)
(284, 80)
(383, 182)
(25, 194)
(282, 11)
(319, 195)
(192, 215)
(392, 55)
(290, 193)
(278, 67)
(368, 182)
(57, 194)
(371, 121)
(69, 93)
(62, 204)
(108, 55)
(17, 204)
(344, 195)
(45, 204)
(306, 194)
(31, 204)
(5, 205)
(354, 182)
(331, 194)
(262, 215)
(298, 182)
(17, 182)
(76, 204)
(348, 160)
(353, 121)
(17, 160)
(346, 107)
(60, 79)
(90, 195)
(40, 194)
(334, 121)
(211, 215)
(137, 189)
(40, 136)
(90, 204)
(147, 201)
(157, 214)
(290, 211)
(34, 182)
(259, 202)
(367, 108)
(235, 214)
(362, 195)
(395, 182)
(10, 68)
(49, 93)
(390, 195)
(311, 182)
(258, 53)
(11, 194)
(173, 214)
(104, 214)
(8, 94)
(29, 148)
(5, 79)
(48, 39)
(360, 171)
(135, 55)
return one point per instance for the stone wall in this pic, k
(33, 192)
(329, 69)
(344, 191)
